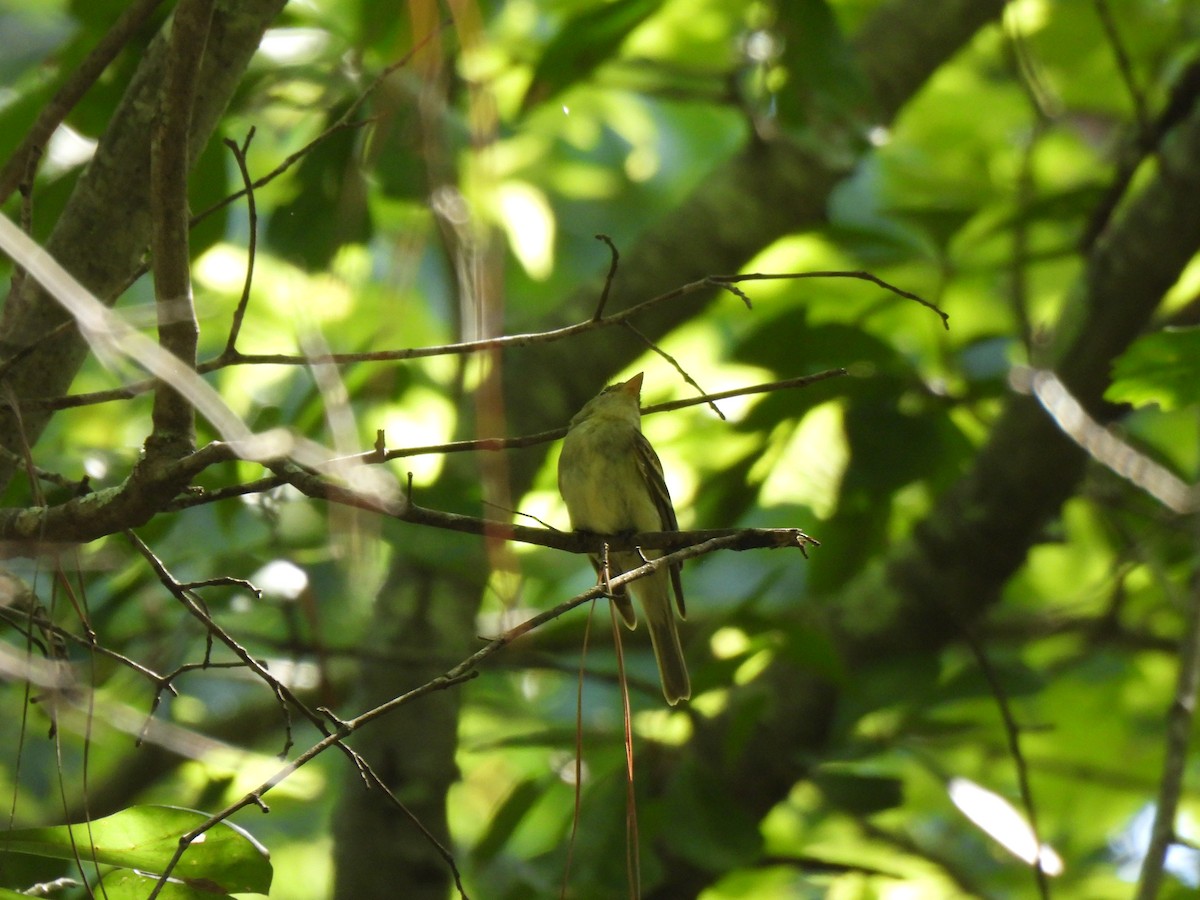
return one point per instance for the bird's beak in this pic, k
(633, 387)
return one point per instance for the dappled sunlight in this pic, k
(294, 46)
(938, 629)
(806, 463)
(1001, 821)
(672, 727)
(528, 220)
(282, 294)
(424, 417)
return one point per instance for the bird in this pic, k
(612, 483)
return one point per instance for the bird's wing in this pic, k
(652, 473)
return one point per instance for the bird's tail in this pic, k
(664, 636)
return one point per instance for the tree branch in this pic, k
(1180, 719)
(178, 331)
(105, 227)
(71, 92)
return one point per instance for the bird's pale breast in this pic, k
(603, 488)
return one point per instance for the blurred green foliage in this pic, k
(505, 150)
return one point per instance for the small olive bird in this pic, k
(612, 482)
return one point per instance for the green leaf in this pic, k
(510, 815)
(858, 793)
(329, 209)
(585, 42)
(825, 81)
(225, 859)
(1162, 368)
(128, 884)
(708, 826)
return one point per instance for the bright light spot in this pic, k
(530, 685)
(95, 467)
(791, 254)
(727, 643)
(665, 725)
(537, 507)
(221, 268)
(1002, 822)
(352, 263)
(563, 765)
(281, 578)
(642, 163)
(423, 417)
(497, 622)
(566, 110)
(506, 585)
(753, 667)
(293, 46)
(299, 676)
(68, 149)
(1187, 287)
(879, 135)
(529, 222)
(810, 468)
(1028, 15)
(323, 297)
(762, 46)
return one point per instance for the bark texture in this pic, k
(104, 230)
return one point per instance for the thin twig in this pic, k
(629, 326)
(784, 384)
(554, 434)
(71, 92)
(239, 155)
(578, 785)
(379, 454)
(1124, 65)
(463, 671)
(405, 510)
(344, 121)
(633, 857)
(608, 279)
(193, 605)
(1179, 732)
(725, 282)
(25, 622)
(1012, 734)
(1184, 92)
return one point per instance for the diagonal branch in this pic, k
(104, 229)
(464, 671)
(72, 91)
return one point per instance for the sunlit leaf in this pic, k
(129, 884)
(508, 817)
(224, 858)
(583, 44)
(1162, 368)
